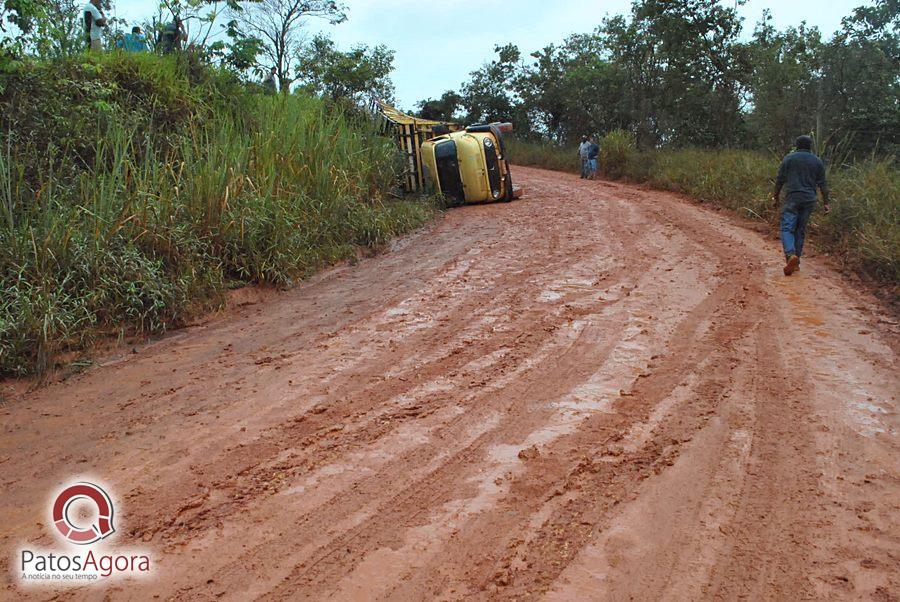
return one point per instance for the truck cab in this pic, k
(469, 166)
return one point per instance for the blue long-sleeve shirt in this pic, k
(800, 174)
(132, 42)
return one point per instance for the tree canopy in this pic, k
(353, 75)
(683, 73)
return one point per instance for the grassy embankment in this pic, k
(862, 231)
(135, 190)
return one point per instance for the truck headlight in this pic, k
(488, 142)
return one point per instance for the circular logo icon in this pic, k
(103, 527)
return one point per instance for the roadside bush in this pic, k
(618, 151)
(736, 179)
(864, 224)
(548, 156)
(142, 188)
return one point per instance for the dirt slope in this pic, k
(597, 392)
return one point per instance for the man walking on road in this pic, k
(801, 172)
(583, 151)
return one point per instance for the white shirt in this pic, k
(583, 149)
(96, 15)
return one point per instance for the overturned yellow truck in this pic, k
(465, 165)
(470, 166)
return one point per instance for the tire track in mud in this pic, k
(443, 485)
(356, 404)
(572, 505)
(379, 481)
(589, 394)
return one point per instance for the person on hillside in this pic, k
(172, 36)
(593, 157)
(583, 155)
(93, 21)
(270, 83)
(132, 42)
(801, 173)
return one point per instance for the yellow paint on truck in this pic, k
(469, 166)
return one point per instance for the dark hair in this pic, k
(804, 143)
(135, 29)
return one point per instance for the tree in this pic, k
(60, 30)
(490, 93)
(638, 54)
(572, 90)
(239, 52)
(442, 109)
(677, 73)
(277, 24)
(45, 28)
(687, 67)
(198, 16)
(360, 72)
(860, 87)
(17, 20)
(845, 91)
(784, 84)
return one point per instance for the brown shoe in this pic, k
(793, 263)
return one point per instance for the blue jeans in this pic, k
(585, 167)
(592, 167)
(794, 219)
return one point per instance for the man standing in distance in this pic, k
(172, 36)
(583, 155)
(593, 157)
(93, 21)
(270, 83)
(801, 173)
(133, 42)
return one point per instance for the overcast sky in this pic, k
(438, 43)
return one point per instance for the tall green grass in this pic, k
(862, 231)
(546, 156)
(138, 224)
(864, 225)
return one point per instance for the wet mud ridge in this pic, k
(594, 393)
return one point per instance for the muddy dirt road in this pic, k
(596, 393)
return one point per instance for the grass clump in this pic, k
(736, 179)
(863, 227)
(134, 190)
(617, 154)
(544, 155)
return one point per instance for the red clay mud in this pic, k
(594, 393)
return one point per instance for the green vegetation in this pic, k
(135, 189)
(689, 103)
(684, 73)
(547, 156)
(862, 230)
